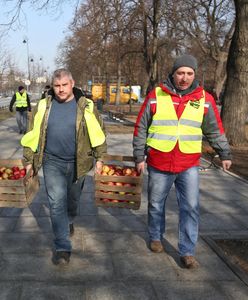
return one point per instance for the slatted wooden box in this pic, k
(118, 190)
(17, 193)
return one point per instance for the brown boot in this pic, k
(156, 246)
(189, 262)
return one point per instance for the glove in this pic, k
(11, 109)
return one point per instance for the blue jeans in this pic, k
(63, 193)
(187, 191)
(22, 120)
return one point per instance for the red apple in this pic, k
(135, 173)
(127, 184)
(111, 183)
(118, 172)
(23, 171)
(15, 168)
(105, 200)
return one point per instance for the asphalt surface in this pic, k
(110, 258)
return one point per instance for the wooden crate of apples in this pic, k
(119, 184)
(17, 189)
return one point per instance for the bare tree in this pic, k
(235, 107)
(208, 26)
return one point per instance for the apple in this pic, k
(15, 168)
(135, 173)
(111, 183)
(118, 172)
(105, 169)
(8, 171)
(5, 176)
(127, 184)
(127, 171)
(22, 172)
(111, 172)
(2, 169)
(105, 200)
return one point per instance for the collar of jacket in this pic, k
(196, 91)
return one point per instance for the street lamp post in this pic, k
(25, 41)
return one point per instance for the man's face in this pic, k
(63, 89)
(183, 78)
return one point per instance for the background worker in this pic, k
(22, 103)
(66, 136)
(169, 130)
(45, 92)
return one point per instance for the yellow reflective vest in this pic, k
(166, 129)
(21, 100)
(96, 135)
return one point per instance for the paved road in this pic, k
(110, 259)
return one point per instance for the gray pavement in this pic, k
(110, 258)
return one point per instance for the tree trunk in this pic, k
(220, 74)
(235, 108)
(118, 86)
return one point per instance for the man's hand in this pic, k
(140, 167)
(226, 164)
(29, 169)
(98, 167)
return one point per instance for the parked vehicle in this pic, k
(99, 93)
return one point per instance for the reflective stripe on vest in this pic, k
(21, 100)
(166, 129)
(96, 135)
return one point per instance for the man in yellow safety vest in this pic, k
(168, 136)
(66, 135)
(22, 104)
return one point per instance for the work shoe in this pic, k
(156, 246)
(189, 262)
(71, 229)
(61, 258)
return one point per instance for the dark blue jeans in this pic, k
(187, 190)
(63, 193)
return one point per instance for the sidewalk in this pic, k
(110, 258)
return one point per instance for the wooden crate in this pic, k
(17, 193)
(116, 195)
